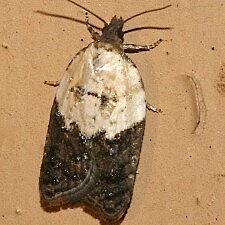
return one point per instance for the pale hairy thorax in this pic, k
(101, 90)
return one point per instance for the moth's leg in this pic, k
(52, 83)
(131, 48)
(95, 35)
(153, 108)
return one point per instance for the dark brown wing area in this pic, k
(117, 162)
(67, 169)
(97, 172)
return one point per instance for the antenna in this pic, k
(146, 28)
(82, 7)
(68, 18)
(147, 11)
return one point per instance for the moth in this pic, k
(96, 125)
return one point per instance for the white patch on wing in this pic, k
(97, 72)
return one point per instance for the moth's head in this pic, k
(113, 32)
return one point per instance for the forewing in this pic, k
(67, 168)
(117, 162)
(95, 134)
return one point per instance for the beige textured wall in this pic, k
(181, 177)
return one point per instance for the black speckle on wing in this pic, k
(66, 170)
(97, 172)
(117, 162)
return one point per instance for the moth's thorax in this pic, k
(101, 91)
